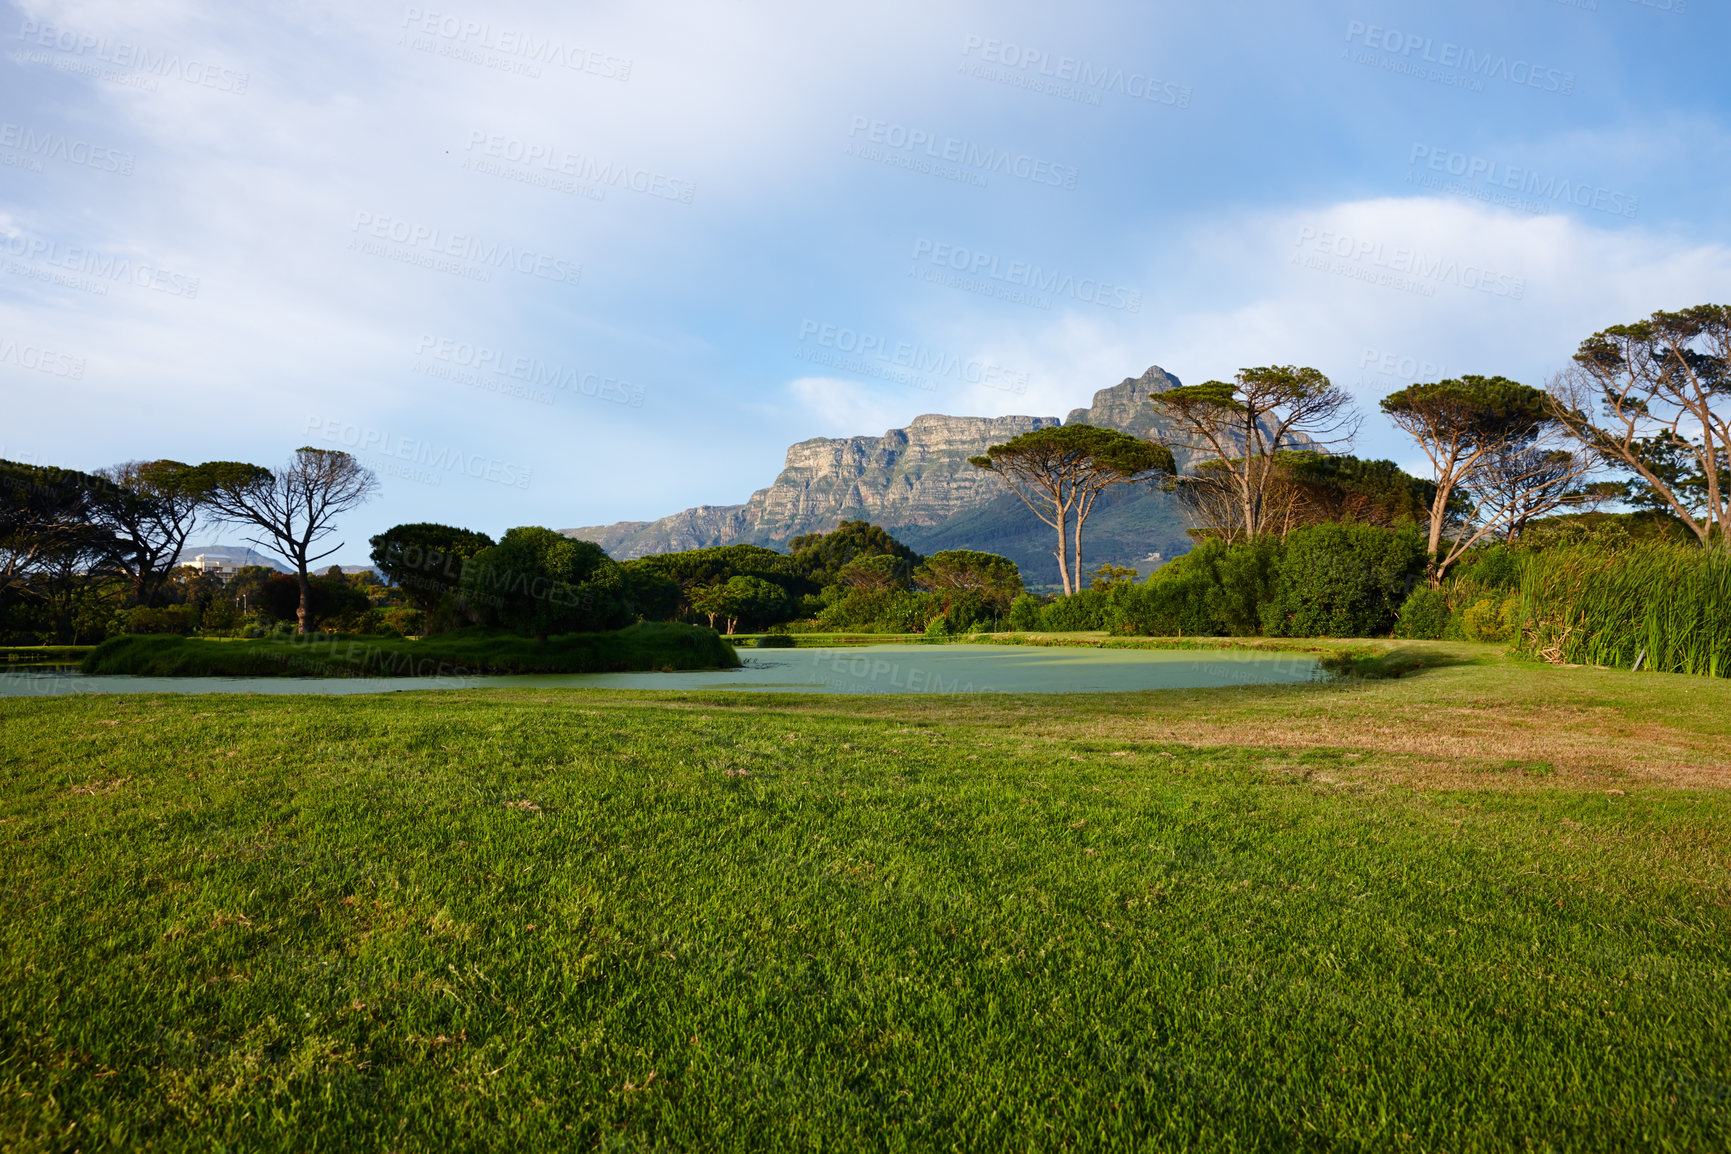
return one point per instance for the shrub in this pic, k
(1341, 580)
(1423, 616)
(404, 619)
(1168, 604)
(775, 641)
(1024, 613)
(1491, 619)
(1082, 610)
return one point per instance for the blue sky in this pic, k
(567, 264)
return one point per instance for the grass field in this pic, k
(1481, 907)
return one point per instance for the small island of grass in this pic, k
(646, 646)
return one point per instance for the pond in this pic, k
(968, 669)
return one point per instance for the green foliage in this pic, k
(820, 557)
(167, 619)
(1342, 581)
(1491, 619)
(750, 600)
(1596, 605)
(463, 652)
(996, 579)
(1473, 408)
(1108, 576)
(1423, 616)
(426, 560)
(1339, 487)
(652, 594)
(332, 598)
(537, 582)
(878, 571)
(1024, 613)
(776, 641)
(1493, 567)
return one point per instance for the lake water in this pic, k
(861, 669)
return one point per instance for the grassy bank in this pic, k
(460, 653)
(43, 654)
(1483, 907)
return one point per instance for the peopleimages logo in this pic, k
(53, 146)
(560, 162)
(392, 453)
(530, 371)
(526, 47)
(122, 54)
(435, 242)
(1519, 183)
(972, 158)
(1015, 280)
(104, 266)
(1454, 62)
(1087, 78)
(1406, 269)
(40, 360)
(841, 347)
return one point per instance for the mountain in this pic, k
(916, 482)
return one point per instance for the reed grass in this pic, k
(1666, 605)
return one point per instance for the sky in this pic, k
(566, 264)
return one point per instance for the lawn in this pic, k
(1484, 906)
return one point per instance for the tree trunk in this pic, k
(1438, 510)
(304, 612)
(1081, 515)
(1064, 549)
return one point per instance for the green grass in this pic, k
(520, 920)
(459, 653)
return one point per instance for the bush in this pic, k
(1082, 610)
(1024, 613)
(775, 641)
(405, 619)
(1423, 616)
(1491, 619)
(181, 619)
(1342, 580)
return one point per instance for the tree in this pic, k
(996, 579)
(741, 598)
(1242, 424)
(1060, 470)
(701, 568)
(653, 595)
(1657, 393)
(47, 525)
(1108, 577)
(1487, 438)
(876, 571)
(151, 507)
(1524, 482)
(425, 560)
(821, 556)
(294, 508)
(538, 582)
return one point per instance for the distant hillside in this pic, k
(917, 483)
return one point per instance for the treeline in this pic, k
(538, 582)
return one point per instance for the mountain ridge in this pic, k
(916, 483)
